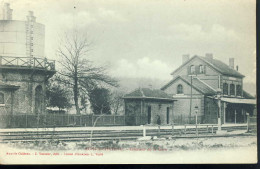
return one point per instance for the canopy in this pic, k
(237, 100)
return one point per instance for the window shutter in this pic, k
(205, 69)
(188, 70)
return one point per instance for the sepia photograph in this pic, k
(128, 82)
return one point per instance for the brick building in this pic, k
(24, 70)
(145, 106)
(210, 85)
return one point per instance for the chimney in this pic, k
(30, 17)
(7, 12)
(237, 67)
(231, 63)
(185, 58)
(209, 56)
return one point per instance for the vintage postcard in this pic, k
(128, 82)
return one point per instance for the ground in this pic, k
(238, 149)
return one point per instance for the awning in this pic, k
(241, 101)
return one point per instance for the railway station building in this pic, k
(212, 87)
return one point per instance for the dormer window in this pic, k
(201, 69)
(192, 69)
(179, 89)
(232, 89)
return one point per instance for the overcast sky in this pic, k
(147, 38)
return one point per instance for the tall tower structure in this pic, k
(24, 70)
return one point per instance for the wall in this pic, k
(211, 76)
(24, 97)
(139, 108)
(16, 41)
(182, 105)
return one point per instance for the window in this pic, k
(232, 89)
(238, 90)
(201, 67)
(192, 69)
(179, 89)
(225, 89)
(2, 98)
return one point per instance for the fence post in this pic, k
(172, 129)
(114, 119)
(144, 131)
(185, 129)
(197, 130)
(181, 119)
(212, 129)
(248, 122)
(159, 132)
(26, 123)
(207, 128)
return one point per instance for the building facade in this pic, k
(204, 81)
(24, 70)
(146, 106)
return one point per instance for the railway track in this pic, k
(123, 133)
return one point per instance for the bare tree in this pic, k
(116, 101)
(77, 71)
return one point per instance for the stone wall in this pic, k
(24, 97)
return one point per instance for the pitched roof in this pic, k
(148, 93)
(216, 64)
(222, 67)
(247, 95)
(196, 83)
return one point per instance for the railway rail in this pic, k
(111, 133)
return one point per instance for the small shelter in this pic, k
(148, 106)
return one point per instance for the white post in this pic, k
(219, 115)
(235, 116)
(197, 124)
(144, 131)
(225, 106)
(248, 122)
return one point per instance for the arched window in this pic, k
(2, 98)
(232, 89)
(201, 67)
(192, 69)
(179, 89)
(225, 89)
(238, 88)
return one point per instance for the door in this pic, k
(149, 114)
(168, 115)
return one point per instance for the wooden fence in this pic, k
(72, 120)
(58, 120)
(28, 62)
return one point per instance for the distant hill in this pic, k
(130, 84)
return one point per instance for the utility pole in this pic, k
(191, 78)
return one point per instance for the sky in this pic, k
(147, 38)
